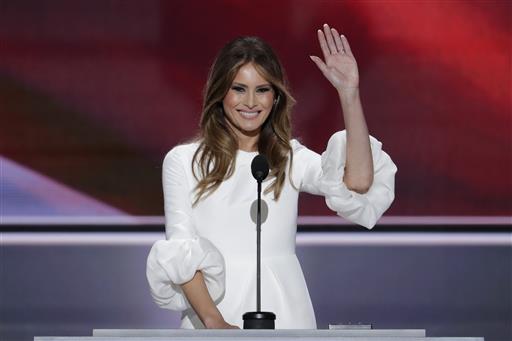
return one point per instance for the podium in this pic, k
(259, 335)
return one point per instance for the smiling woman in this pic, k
(247, 105)
(205, 266)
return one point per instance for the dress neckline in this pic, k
(244, 156)
(246, 152)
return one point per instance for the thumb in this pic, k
(321, 65)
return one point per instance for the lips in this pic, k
(249, 114)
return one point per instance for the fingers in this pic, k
(321, 65)
(337, 40)
(323, 44)
(346, 46)
(330, 40)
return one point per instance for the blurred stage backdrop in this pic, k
(94, 93)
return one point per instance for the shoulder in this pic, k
(297, 146)
(180, 154)
(299, 149)
(183, 150)
(303, 157)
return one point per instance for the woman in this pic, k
(205, 267)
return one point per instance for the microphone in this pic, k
(259, 167)
(259, 319)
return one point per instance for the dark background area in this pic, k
(94, 93)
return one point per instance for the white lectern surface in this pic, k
(273, 333)
(256, 335)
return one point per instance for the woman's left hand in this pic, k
(340, 66)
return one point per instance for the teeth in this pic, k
(249, 114)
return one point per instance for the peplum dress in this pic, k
(218, 235)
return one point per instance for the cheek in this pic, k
(267, 101)
(231, 100)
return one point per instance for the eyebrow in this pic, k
(245, 86)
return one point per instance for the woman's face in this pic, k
(248, 102)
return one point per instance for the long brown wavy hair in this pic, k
(216, 155)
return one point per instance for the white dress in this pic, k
(218, 235)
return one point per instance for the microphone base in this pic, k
(259, 320)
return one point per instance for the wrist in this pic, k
(214, 321)
(348, 96)
(349, 91)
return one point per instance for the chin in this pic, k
(249, 129)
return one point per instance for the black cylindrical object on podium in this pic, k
(259, 320)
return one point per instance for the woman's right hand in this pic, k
(219, 324)
(199, 298)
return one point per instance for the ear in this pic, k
(276, 100)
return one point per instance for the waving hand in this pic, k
(339, 65)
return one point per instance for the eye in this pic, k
(263, 90)
(238, 88)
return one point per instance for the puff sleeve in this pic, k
(322, 175)
(174, 261)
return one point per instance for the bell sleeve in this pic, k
(322, 175)
(174, 261)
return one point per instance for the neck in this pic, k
(248, 146)
(248, 143)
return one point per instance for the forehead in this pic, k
(249, 74)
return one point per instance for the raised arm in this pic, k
(340, 68)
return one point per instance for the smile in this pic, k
(249, 114)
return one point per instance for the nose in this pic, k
(250, 100)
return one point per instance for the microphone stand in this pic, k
(259, 319)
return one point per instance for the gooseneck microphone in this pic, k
(259, 319)
(259, 168)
